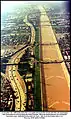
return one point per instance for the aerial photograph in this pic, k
(35, 56)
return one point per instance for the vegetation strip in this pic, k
(37, 88)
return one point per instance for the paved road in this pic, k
(17, 82)
(55, 80)
(13, 75)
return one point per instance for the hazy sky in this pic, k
(8, 5)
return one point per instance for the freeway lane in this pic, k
(17, 82)
(32, 29)
(54, 77)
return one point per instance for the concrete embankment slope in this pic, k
(54, 77)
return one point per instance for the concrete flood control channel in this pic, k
(57, 95)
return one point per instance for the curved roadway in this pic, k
(13, 75)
